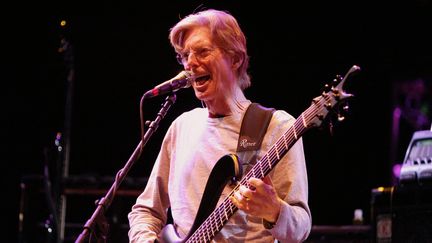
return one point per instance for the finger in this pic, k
(239, 201)
(240, 197)
(245, 192)
(257, 184)
(267, 180)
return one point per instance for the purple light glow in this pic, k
(396, 170)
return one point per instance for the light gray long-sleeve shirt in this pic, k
(191, 147)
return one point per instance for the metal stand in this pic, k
(63, 139)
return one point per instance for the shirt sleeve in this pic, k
(149, 213)
(290, 179)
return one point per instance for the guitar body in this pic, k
(227, 169)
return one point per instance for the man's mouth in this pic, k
(202, 79)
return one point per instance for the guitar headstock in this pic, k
(332, 101)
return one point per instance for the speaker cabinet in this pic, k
(402, 214)
(80, 193)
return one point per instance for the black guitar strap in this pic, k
(254, 126)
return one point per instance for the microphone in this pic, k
(182, 80)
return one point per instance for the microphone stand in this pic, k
(97, 224)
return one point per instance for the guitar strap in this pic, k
(253, 128)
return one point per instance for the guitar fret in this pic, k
(210, 230)
(220, 218)
(268, 160)
(215, 221)
(277, 153)
(208, 233)
(280, 147)
(261, 169)
(303, 120)
(284, 139)
(216, 228)
(201, 235)
(225, 213)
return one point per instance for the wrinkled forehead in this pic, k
(199, 36)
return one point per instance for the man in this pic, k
(212, 47)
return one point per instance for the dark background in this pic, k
(122, 50)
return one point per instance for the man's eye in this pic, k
(203, 52)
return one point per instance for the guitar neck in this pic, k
(217, 219)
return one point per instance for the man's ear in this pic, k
(237, 60)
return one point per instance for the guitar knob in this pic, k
(147, 123)
(340, 118)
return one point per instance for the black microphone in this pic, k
(182, 80)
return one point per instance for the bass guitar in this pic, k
(209, 222)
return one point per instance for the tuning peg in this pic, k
(342, 111)
(337, 79)
(340, 117)
(330, 87)
(326, 88)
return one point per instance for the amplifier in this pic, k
(417, 165)
(402, 213)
